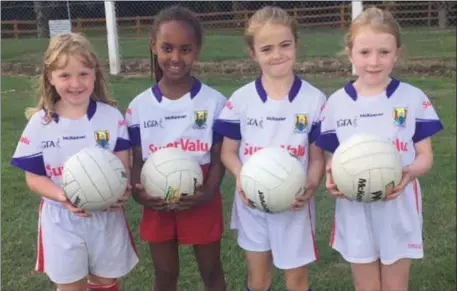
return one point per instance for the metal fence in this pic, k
(134, 18)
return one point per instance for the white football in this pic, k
(272, 178)
(94, 178)
(171, 172)
(365, 168)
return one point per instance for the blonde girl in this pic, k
(379, 239)
(78, 251)
(278, 109)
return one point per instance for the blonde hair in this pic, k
(66, 45)
(378, 19)
(268, 14)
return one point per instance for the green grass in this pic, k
(435, 272)
(417, 43)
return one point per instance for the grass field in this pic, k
(229, 46)
(435, 272)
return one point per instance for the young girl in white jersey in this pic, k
(178, 111)
(379, 239)
(278, 109)
(76, 250)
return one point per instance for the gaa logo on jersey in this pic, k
(200, 117)
(102, 138)
(399, 115)
(301, 123)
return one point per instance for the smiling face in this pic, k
(373, 55)
(176, 47)
(274, 48)
(72, 80)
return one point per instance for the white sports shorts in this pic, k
(386, 230)
(71, 247)
(290, 235)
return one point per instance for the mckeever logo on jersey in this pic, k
(258, 121)
(44, 148)
(155, 122)
(399, 116)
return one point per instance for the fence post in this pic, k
(357, 8)
(113, 39)
(15, 29)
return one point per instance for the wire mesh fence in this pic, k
(134, 18)
(25, 26)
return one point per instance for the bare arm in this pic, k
(230, 157)
(137, 165)
(44, 187)
(216, 169)
(424, 158)
(316, 166)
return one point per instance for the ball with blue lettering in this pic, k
(366, 168)
(272, 178)
(171, 172)
(94, 178)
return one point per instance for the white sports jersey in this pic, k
(259, 121)
(44, 148)
(403, 114)
(156, 122)
(292, 123)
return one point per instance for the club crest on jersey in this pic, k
(399, 115)
(102, 138)
(200, 117)
(301, 123)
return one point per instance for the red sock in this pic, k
(112, 287)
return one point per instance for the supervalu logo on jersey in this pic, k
(399, 115)
(102, 138)
(301, 123)
(200, 118)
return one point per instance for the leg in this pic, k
(111, 250)
(293, 245)
(260, 270)
(165, 257)
(62, 253)
(395, 277)
(80, 285)
(297, 279)
(202, 227)
(209, 263)
(366, 277)
(96, 283)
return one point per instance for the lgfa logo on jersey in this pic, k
(301, 123)
(102, 138)
(200, 117)
(399, 115)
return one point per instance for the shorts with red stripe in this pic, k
(202, 225)
(383, 230)
(71, 247)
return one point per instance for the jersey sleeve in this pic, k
(427, 120)
(228, 122)
(28, 155)
(221, 100)
(123, 141)
(316, 123)
(133, 125)
(327, 139)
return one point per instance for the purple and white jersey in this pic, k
(44, 147)
(156, 122)
(402, 114)
(259, 121)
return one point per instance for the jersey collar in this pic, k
(390, 89)
(193, 91)
(90, 111)
(292, 93)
